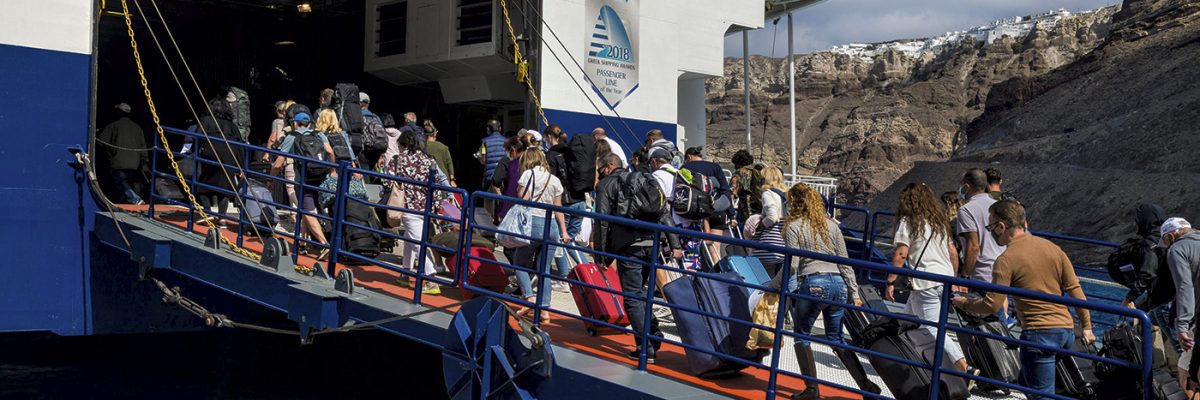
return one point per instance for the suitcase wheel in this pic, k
(591, 331)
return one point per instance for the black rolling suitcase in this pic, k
(994, 359)
(909, 341)
(1077, 376)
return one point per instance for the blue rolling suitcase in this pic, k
(749, 268)
(718, 335)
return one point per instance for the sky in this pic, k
(835, 22)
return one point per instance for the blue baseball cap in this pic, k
(302, 118)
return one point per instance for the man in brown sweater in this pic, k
(1035, 264)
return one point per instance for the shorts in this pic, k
(1185, 360)
(719, 221)
(309, 203)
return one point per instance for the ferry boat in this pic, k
(83, 265)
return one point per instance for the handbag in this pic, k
(357, 189)
(518, 221)
(764, 314)
(396, 199)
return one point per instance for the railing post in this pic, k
(544, 258)
(339, 215)
(939, 352)
(244, 190)
(466, 236)
(644, 336)
(195, 152)
(298, 228)
(423, 249)
(153, 178)
(1147, 361)
(785, 279)
(868, 229)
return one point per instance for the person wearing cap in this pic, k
(1183, 259)
(1036, 264)
(125, 146)
(301, 126)
(689, 249)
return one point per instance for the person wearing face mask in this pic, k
(980, 250)
(1183, 259)
(1036, 264)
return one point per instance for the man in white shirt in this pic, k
(660, 162)
(599, 134)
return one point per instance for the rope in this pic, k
(163, 137)
(522, 65)
(237, 163)
(122, 148)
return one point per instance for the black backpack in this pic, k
(689, 200)
(341, 146)
(374, 138)
(642, 198)
(581, 163)
(310, 146)
(349, 110)
(1125, 263)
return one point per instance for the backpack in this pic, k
(241, 112)
(341, 146)
(1125, 263)
(642, 197)
(676, 155)
(375, 138)
(310, 146)
(293, 110)
(581, 164)
(689, 200)
(349, 110)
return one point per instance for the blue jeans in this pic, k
(1037, 365)
(804, 312)
(530, 256)
(121, 178)
(574, 224)
(1164, 317)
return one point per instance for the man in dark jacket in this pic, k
(719, 222)
(125, 145)
(1152, 276)
(628, 242)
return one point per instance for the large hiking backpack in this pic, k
(296, 108)
(340, 143)
(688, 200)
(643, 198)
(581, 163)
(349, 110)
(241, 112)
(374, 137)
(310, 146)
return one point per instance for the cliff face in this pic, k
(1083, 145)
(866, 113)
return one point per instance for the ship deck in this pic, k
(604, 354)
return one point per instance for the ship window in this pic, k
(392, 34)
(474, 21)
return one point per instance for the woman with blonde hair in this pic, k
(923, 241)
(809, 227)
(538, 185)
(339, 140)
(774, 209)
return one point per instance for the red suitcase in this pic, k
(598, 304)
(482, 274)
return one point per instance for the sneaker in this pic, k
(323, 255)
(971, 382)
(431, 289)
(139, 203)
(634, 356)
(560, 287)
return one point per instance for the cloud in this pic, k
(836, 22)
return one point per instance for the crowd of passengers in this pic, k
(978, 232)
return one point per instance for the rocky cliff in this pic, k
(1083, 144)
(866, 112)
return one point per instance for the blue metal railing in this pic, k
(467, 229)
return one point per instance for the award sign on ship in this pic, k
(612, 52)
